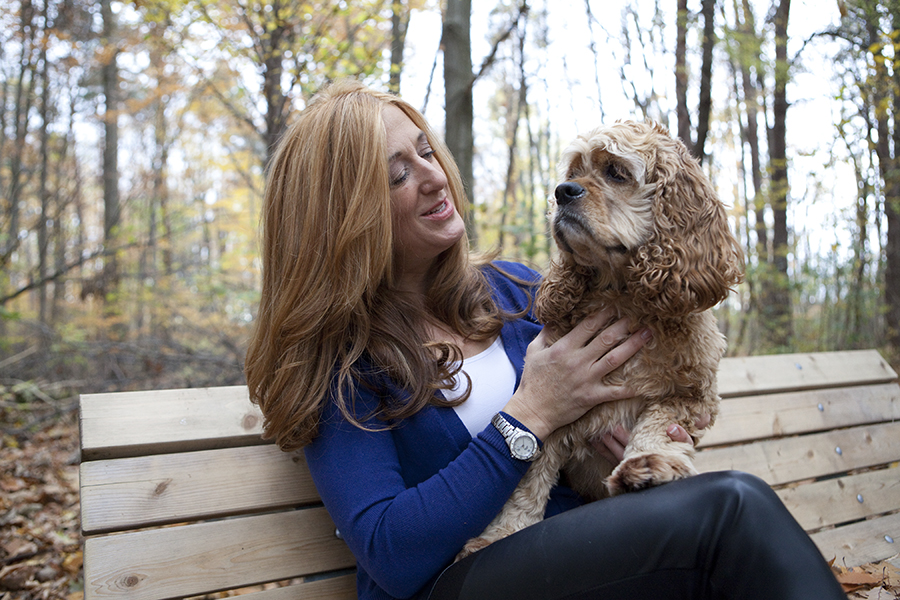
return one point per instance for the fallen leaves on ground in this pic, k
(879, 581)
(40, 541)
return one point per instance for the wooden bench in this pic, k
(180, 497)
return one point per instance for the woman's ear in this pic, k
(693, 259)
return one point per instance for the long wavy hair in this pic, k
(330, 317)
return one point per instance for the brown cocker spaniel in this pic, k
(638, 226)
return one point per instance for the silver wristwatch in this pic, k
(522, 444)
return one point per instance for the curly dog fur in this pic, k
(638, 226)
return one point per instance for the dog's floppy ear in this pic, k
(561, 291)
(692, 259)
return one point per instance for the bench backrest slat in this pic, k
(740, 376)
(155, 422)
(746, 418)
(790, 459)
(212, 556)
(122, 424)
(170, 488)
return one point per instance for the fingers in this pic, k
(611, 446)
(606, 338)
(563, 380)
(602, 448)
(703, 422)
(677, 433)
(616, 346)
(589, 328)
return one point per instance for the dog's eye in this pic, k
(616, 173)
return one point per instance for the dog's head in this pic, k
(636, 208)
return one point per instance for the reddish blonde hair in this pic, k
(328, 304)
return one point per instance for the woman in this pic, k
(385, 351)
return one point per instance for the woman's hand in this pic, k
(563, 381)
(611, 446)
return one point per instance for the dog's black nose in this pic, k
(568, 192)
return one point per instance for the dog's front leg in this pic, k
(652, 457)
(527, 503)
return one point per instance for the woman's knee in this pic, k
(745, 498)
(739, 484)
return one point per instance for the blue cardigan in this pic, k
(407, 499)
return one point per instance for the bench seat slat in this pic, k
(791, 459)
(835, 501)
(748, 418)
(860, 543)
(336, 588)
(174, 562)
(137, 492)
(793, 372)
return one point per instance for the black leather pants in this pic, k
(716, 535)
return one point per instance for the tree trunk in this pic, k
(777, 310)
(681, 75)
(43, 176)
(111, 206)
(508, 206)
(891, 177)
(751, 100)
(458, 80)
(399, 23)
(4, 99)
(23, 103)
(67, 186)
(704, 108)
(276, 101)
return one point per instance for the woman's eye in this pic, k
(616, 173)
(399, 178)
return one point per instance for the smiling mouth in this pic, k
(440, 207)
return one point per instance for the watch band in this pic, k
(505, 428)
(523, 445)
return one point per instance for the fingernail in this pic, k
(673, 429)
(646, 334)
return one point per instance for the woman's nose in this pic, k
(435, 178)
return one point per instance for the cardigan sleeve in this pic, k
(404, 536)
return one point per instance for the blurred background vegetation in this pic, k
(134, 136)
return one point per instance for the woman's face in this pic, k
(425, 220)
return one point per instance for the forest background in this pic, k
(134, 136)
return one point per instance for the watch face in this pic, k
(523, 446)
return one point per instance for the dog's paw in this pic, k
(648, 470)
(472, 546)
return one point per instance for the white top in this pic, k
(493, 383)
